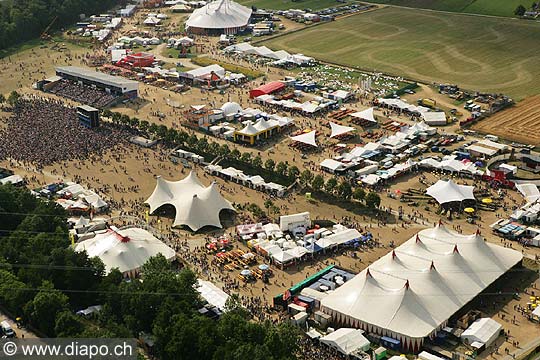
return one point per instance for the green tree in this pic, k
(246, 157)
(235, 154)
(144, 125)
(257, 161)
(520, 10)
(281, 168)
(269, 165)
(344, 189)
(202, 145)
(268, 204)
(43, 308)
(293, 172)
(373, 200)
(214, 148)
(359, 194)
(13, 97)
(124, 120)
(224, 150)
(317, 183)
(67, 325)
(2, 98)
(331, 185)
(305, 177)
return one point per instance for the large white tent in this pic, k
(410, 293)
(448, 191)
(212, 293)
(126, 249)
(307, 138)
(364, 115)
(221, 15)
(338, 130)
(346, 340)
(196, 205)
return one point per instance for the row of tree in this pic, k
(22, 20)
(306, 178)
(45, 282)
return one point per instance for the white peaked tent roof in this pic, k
(448, 191)
(196, 206)
(411, 293)
(231, 108)
(249, 129)
(307, 138)
(340, 129)
(346, 340)
(365, 114)
(126, 249)
(529, 191)
(220, 14)
(82, 221)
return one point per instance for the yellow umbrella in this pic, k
(487, 201)
(468, 210)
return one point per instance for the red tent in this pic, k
(266, 89)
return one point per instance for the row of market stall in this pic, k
(280, 57)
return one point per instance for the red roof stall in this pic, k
(267, 89)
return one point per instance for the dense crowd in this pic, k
(82, 93)
(43, 131)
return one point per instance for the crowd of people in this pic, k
(43, 131)
(82, 93)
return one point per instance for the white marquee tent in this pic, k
(338, 130)
(220, 14)
(448, 191)
(307, 138)
(196, 205)
(126, 249)
(410, 293)
(346, 340)
(212, 293)
(484, 330)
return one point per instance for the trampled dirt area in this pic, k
(520, 123)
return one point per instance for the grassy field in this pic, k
(484, 7)
(289, 4)
(477, 53)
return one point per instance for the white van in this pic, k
(491, 137)
(7, 331)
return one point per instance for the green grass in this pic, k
(484, 7)
(289, 4)
(477, 53)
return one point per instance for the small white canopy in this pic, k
(82, 221)
(307, 138)
(282, 257)
(346, 340)
(484, 330)
(365, 115)
(449, 191)
(340, 129)
(13, 179)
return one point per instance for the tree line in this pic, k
(22, 20)
(45, 282)
(306, 179)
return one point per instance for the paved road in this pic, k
(20, 332)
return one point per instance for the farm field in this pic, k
(477, 53)
(519, 123)
(484, 7)
(289, 4)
